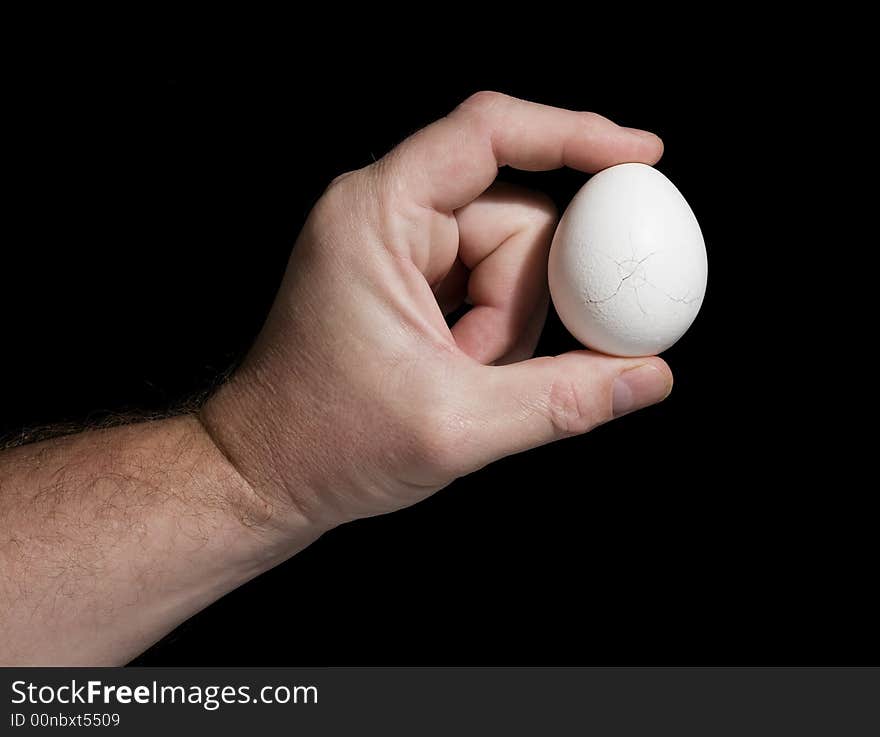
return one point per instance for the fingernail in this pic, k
(639, 132)
(637, 388)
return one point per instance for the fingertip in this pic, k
(641, 385)
(660, 149)
(651, 144)
(663, 367)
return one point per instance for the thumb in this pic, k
(526, 404)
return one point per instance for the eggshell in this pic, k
(628, 264)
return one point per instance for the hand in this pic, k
(357, 399)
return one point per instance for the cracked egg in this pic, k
(628, 264)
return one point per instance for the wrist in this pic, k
(238, 420)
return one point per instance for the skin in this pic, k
(355, 400)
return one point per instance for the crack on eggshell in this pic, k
(638, 272)
(620, 265)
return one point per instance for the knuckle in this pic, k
(570, 408)
(482, 103)
(590, 120)
(536, 216)
(385, 182)
(326, 211)
(541, 208)
(484, 98)
(531, 209)
(337, 191)
(338, 180)
(436, 438)
(338, 199)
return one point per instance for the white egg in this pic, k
(628, 263)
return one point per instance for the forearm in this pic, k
(109, 539)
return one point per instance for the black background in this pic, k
(151, 219)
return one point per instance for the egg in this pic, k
(627, 265)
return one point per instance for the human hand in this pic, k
(357, 399)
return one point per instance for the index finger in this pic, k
(452, 161)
